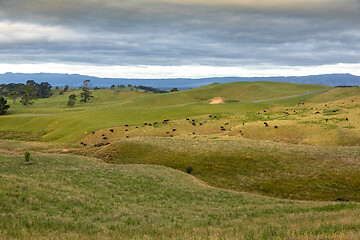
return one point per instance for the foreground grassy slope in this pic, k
(70, 197)
(275, 169)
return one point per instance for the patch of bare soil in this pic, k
(217, 100)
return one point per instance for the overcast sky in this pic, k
(180, 38)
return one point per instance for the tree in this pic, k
(174, 90)
(85, 94)
(43, 89)
(29, 94)
(112, 86)
(66, 88)
(13, 96)
(3, 106)
(72, 100)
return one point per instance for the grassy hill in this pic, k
(113, 108)
(74, 197)
(100, 172)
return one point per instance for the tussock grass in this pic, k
(73, 197)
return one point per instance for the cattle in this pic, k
(193, 133)
(126, 125)
(167, 132)
(103, 135)
(126, 130)
(200, 124)
(275, 126)
(194, 124)
(187, 119)
(127, 136)
(264, 110)
(223, 129)
(145, 124)
(174, 130)
(214, 116)
(210, 116)
(346, 119)
(226, 123)
(105, 138)
(326, 120)
(150, 124)
(243, 124)
(265, 123)
(93, 132)
(111, 130)
(136, 127)
(81, 143)
(193, 120)
(155, 123)
(317, 112)
(171, 136)
(85, 144)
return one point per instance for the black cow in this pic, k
(111, 130)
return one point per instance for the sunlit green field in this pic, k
(295, 177)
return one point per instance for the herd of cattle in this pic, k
(193, 122)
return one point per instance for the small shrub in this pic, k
(189, 169)
(27, 156)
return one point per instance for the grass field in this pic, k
(100, 172)
(74, 197)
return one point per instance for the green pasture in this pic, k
(74, 197)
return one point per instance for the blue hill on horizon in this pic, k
(75, 80)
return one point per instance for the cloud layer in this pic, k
(218, 33)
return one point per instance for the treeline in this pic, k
(151, 89)
(42, 90)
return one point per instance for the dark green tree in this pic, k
(66, 88)
(29, 95)
(85, 94)
(3, 106)
(72, 100)
(13, 96)
(174, 90)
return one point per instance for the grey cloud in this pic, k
(171, 33)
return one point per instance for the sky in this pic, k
(180, 38)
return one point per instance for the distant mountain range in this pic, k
(75, 80)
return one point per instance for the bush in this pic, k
(189, 169)
(27, 156)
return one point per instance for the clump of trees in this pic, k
(28, 92)
(3, 106)
(151, 89)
